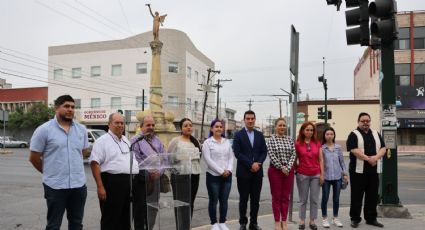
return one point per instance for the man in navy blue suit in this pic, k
(250, 149)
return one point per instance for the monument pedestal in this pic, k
(393, 211)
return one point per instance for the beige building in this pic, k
(409, 76)
(108, 76)
(344, 115)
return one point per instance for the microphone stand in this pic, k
(131, 179)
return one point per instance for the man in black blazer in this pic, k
(250, 150)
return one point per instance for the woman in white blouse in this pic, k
(185, 150)
(218, 155)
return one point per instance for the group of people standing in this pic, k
(57, 152)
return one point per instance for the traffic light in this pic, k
(358, 17)
(329, 114)
(384, 24)
(320, 113)
(337, 3)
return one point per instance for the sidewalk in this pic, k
(417, 223)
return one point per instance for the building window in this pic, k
(139, 101)
(95, 103)
(141, 68)
(95, 71)
(196, 105)
(404, 80)
(204, 79)
(173, 101)
(419, 80)
(173, 67)
(116, 70)
(419, 32)
(76, 72)
(77, 103)
(197, 76)
(189, 72)
(115, 102)
(189, 103)
(58, 74)
(419, 43)
(403, 44)
(402, 69)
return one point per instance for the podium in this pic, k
(168, 191)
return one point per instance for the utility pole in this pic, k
(280, 100)
(205, 88)
(250, 103)
(218, 86)
(280, 107)
(325, 87)
(143, 99)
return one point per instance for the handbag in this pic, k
(344, 183)
(165, 185)
(164, 181)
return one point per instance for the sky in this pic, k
(249, 41)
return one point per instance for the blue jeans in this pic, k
(59, 200)
(218, 191)
(336, 189)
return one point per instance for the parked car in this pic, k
(12, 142)
(93, 135)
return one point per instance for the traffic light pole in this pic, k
(325, 87)
(390, 202)
(389, 186)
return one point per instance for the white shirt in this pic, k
(113, 154)
(217, 156)
(187, 156)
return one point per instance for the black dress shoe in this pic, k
(313, 226)
(242, 227)
(354, 224)
(375, 223)
(254, 227)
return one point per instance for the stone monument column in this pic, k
(155, 101)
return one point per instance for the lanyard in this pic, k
(119, 146)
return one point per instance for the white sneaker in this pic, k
(223, 226)
(337, 222)
(215, 227)
(325, 223)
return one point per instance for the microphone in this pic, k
(137, 140)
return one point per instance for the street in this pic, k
(23, 205)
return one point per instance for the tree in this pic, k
(35, 116)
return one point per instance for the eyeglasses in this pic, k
(365, 121)
(119, 146)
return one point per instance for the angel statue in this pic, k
(157, 20)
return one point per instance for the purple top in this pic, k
(333, 162)
(146, 156)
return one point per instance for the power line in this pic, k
(98, 14)
(68, 86)
(90, 80)
(43, 70)
(72, 19)
(125, 16)
(90, 16)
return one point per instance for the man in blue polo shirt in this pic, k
(57, 152)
